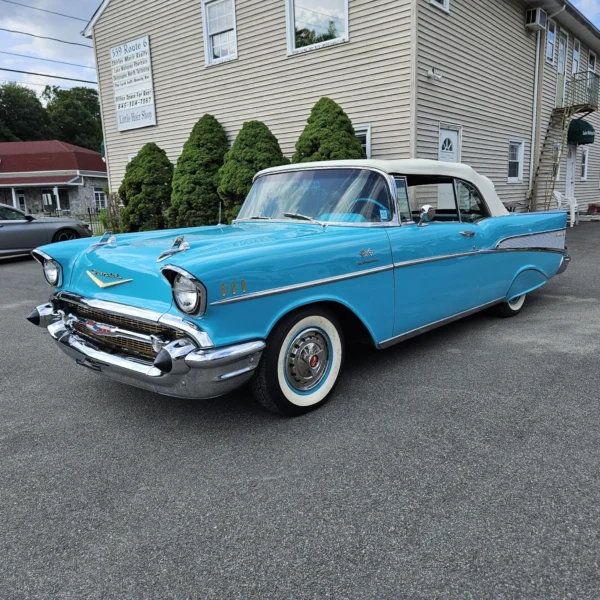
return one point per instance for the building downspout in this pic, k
(14, 197)
(534, 127)
(537, 104)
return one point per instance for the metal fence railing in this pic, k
(582, 89)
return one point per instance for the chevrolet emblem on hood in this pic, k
(106, 284)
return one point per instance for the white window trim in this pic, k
(365, 129)
(291, 32)
(459, 130)
(442, 5)
(521, 143)
(550, 61)
(585, 152)
(208, 61)
(595, 62)
(575, 42)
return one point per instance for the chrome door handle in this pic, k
(469, 234)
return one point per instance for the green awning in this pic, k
(581, 132)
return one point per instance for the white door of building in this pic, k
(448, 151)
(563, 45)
(570, 185)
(449, 144)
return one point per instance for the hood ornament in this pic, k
(178, 246)
(106, 240)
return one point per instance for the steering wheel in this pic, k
(372, 201)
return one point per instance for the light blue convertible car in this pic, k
(322, 253)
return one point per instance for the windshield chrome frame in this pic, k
(391, 185)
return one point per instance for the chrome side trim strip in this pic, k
(419, 330)
(302, 286)
(418, 261)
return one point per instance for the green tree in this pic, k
(146, 190)
(254, 149)
(22, 115)
(328, 135)
(75, 114)
(195, 201)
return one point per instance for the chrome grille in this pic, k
(118, 343)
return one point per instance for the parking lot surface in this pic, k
(461, 464)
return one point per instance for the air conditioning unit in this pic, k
(536, 19)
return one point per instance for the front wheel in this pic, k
(301, 364)
(512, 308)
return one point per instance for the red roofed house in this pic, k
(51, 177)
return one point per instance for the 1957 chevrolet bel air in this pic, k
(320, 253)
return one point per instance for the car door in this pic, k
(18, 234)
(435, 265)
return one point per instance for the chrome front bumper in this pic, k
(181, 369)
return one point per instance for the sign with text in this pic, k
(132, 82)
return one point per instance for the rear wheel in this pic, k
(512, 308)
(64, 235)
(301, 364)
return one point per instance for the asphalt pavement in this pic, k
(461, 464)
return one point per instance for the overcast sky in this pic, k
(33, 21)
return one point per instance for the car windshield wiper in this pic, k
(259, 218)
(303, 218)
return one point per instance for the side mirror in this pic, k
(29, 218)
(427, 215)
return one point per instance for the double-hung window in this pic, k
(515, 161)
(99, 199)
(584, 163)
(550, 42)
(220, 37)
(363, 133)
(443, 4)
(313, 24)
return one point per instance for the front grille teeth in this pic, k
(120, 344)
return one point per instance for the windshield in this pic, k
(334, 195)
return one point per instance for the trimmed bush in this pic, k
(195, 200)
(146, 190)
(328, 135)
(254, 149)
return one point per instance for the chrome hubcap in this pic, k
(307, 360)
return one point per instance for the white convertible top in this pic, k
(412, 167)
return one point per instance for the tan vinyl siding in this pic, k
(487, 59)
(369, 76)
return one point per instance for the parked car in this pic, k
(320, 254)
(20, 232)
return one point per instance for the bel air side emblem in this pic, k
(106, 284)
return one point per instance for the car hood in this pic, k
(128, 270)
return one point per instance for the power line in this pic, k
(25, 83)
(43, 37)
(46, 75)
(44, 10)
(47, 60)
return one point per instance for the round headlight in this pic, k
(187, 295)
(51, 272)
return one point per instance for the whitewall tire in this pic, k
(301, 364)
(512, 308)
